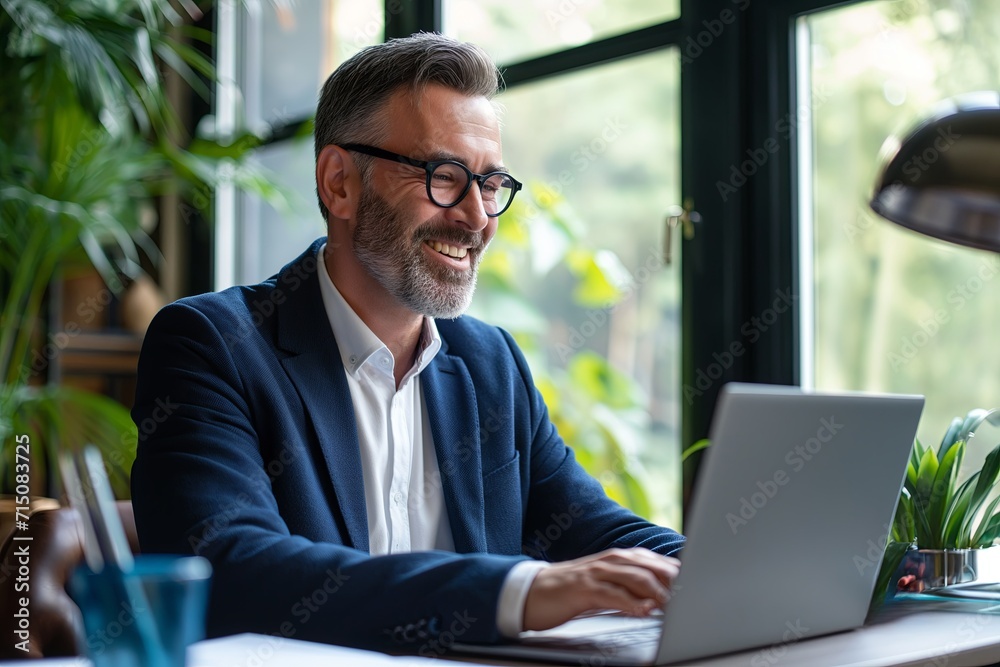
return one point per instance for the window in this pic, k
(515, 30)
(290, 48)
(281, 53)
(608, 172)
(893, 310)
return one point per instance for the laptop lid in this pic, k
(789, 516)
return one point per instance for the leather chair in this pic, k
(56, 548)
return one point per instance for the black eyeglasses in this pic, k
(448, 181)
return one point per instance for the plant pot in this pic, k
(930, 569)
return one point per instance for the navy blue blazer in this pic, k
(248, 456)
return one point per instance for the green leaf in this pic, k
(599, 380)
(987, 478)
(893, 556)
(926, 535)
(983, 524)
(638, 500)
(990, 533)
(926, 473)
(953, 532)
(942, 488)
(170, 55)
(236, 149)
(62, 418)
(696, 447)
(911, 476)
(597, 287)
(975, 419)
(950, 436)
(903, 529)
(916, 453)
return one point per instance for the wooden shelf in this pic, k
(97, 353)
(109, 353)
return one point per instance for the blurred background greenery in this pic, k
(896, 311)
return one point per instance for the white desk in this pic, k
(942, 634)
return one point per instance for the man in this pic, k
(358, 471)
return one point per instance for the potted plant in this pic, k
(943, 526)
(88, 138)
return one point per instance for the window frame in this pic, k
(747, 249)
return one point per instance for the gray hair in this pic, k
(354, 97)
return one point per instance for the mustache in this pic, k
(450, 235)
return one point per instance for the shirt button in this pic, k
(398, 498)
(354, 359)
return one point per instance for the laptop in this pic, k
(792, 505)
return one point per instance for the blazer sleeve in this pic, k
(568, 513)
(199, 486)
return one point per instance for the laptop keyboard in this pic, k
(602, 641)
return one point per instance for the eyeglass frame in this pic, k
(430, 165)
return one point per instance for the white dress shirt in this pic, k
(403, 495)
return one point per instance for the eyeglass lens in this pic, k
(449, 182)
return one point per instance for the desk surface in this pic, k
(906, 634)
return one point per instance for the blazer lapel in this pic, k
(317, 371)
(450, 401)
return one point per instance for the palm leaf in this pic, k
(170, 55)
(63, 418)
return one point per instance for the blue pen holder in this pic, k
(147, 617)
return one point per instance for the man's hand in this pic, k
(635, 581)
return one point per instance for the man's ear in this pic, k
(337, 181)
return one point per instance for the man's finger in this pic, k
(611, 596)
(665, 568)
(640, 582)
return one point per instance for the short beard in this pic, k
(386, 248)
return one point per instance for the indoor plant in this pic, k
(943, 525)
(88, 137)
(937, 511)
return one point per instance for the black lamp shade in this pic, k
(943, 178)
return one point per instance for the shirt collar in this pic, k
(357, 343)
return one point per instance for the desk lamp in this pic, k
(943, 178)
